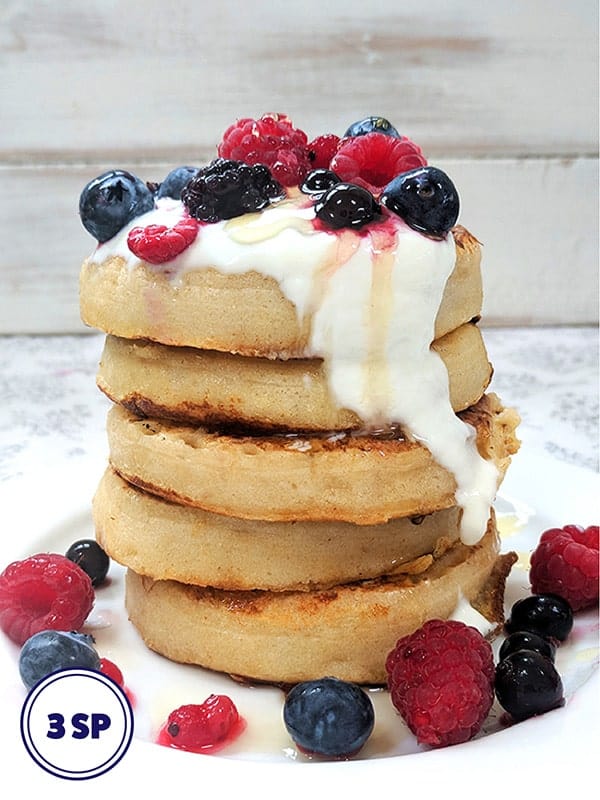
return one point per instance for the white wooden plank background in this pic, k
(501, 94)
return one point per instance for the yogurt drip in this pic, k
(375, 325)
(373, 296)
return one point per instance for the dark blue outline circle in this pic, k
(107, 681)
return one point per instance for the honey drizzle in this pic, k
(377, 379)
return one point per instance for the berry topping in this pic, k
(346, 206)
(441, 681)
(527, 640)
(374, 159)
(44, 591)
(565, 563)
(271, 140)
(227, 189)
(318, 181)
(425, 198)
(546, 614)
(196, 727)
(157, 244)
(112, 200)
(92, 559)
(50, 650)
(328, 717)
(372, 125)
(527, 683)
(175, 181)
(322, 149)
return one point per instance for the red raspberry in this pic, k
(441, 680)
(372, 160)
(271, 140)
(46, 591)
(565, 563)
(158, 243)
(195, 727)
(322, 149)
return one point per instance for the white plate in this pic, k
(44, 513)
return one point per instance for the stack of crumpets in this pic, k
(303, 454)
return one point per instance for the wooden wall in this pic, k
(503, 95)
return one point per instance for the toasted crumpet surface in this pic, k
(286, 637)
(168, 541)
(211, 387)
(366, 480)
(244, 313)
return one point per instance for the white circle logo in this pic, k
(77, 723)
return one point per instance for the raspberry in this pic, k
(441, 680)
(374, 159)
(196, 727)
(46, 591)
(157, 244)
(322, 149)
(565, 562)
(271, 140)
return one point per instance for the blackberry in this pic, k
(425, 198)
(328, 717)
(226, 189)
(175, 181)
(92, 559)
(319, 181)
(346, 205)
(372, 125)
(527, 683)
(110, 201)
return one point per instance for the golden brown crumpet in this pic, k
(286, 637)
(210, 387)
(169, 541)
(246, 313)
(366, 479)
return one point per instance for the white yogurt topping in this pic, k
(464, 612)
(374, 297)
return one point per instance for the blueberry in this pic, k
(112, 200)
(372, 125)
(175, 182)
(527, 640)
(328, 717)
(527, 683)
(425, 198)
(48, 651)
(546, 614)
(346, 205)
(92, 559)
(318, 181)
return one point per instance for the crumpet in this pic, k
(286, 637)
(209, 387)
(363, 479)
(169, 541)
(245, 313)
